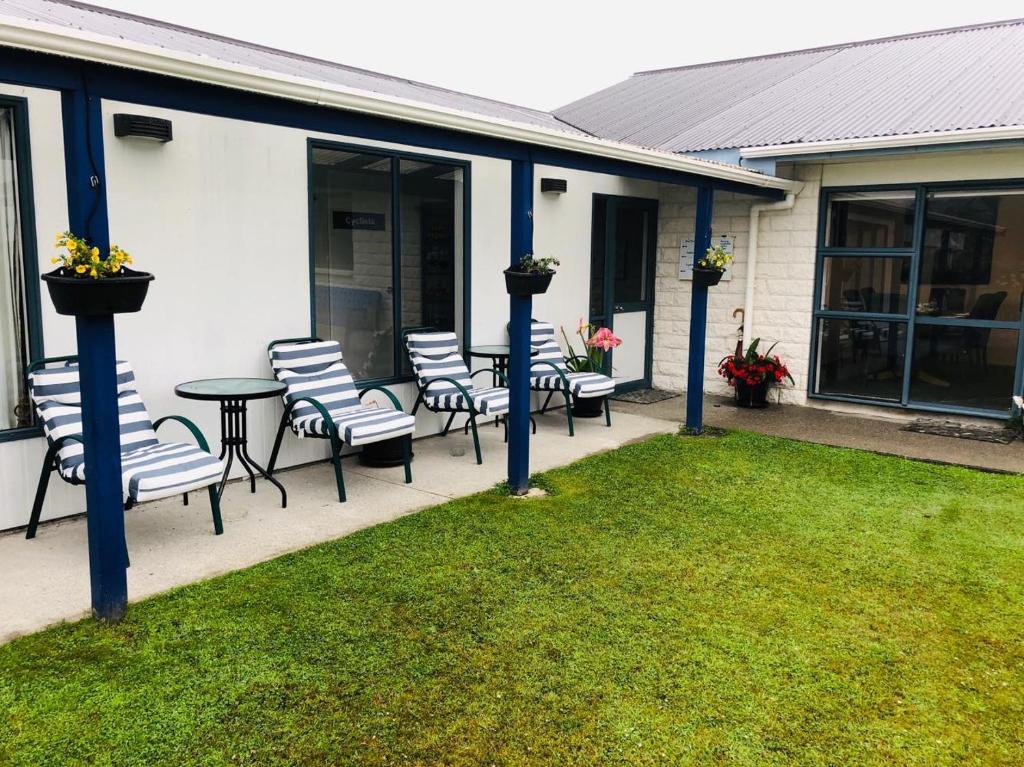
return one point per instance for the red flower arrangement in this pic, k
(753, 369)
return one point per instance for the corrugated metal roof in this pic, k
(945, 80)
(136, 29)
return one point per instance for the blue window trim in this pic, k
(29, 245)
(396, 156)
(909, 317)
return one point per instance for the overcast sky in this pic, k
(545, 54)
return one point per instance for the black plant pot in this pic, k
(527, 283)
(587, 407)
(755, 396)
(88, 297)
(387, 452)
(706, 277)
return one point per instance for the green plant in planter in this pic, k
(530, 264)
(715, 258)
(83, 260)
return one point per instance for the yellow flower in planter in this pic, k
(85, 260)
(80, 268)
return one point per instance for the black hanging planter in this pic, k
(752, 396)
(706, 278)
(526, 283)
(587, 407)
(87, 297)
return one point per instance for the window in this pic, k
(927, 318)
(17, 315)
(373, 278)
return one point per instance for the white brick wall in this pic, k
(783, 292)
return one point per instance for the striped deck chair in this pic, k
(322, 402)
(150, 469)
(446, 386)
(549, 373)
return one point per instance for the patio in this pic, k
(47, 579)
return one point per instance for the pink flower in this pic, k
(604, 339)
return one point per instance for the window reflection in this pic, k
(963, 366)
(859, 358)
(865, 284)
(870, 219)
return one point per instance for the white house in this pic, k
(294, 197)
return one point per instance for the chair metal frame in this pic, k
(337, 443)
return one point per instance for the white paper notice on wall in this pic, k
(686, 257)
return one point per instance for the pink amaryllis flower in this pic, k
(604, 339)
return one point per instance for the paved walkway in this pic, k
(46, 580)
(815, 424)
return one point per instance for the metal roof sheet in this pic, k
(945, 80)
(136, 29)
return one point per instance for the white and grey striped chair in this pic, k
(322, 402)
(150, 469)
(550, 373)
(446, 386)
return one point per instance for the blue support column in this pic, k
(519, 334)
(698, 316)
(87, 214)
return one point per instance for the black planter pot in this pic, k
(527, 283)
(88, 297)
(755, 396)
(706, 277)
(387, 452)
(587, 407)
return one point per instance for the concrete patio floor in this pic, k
(880, 434)
(46, 580)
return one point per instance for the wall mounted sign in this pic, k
(349, 219)
(686, 257)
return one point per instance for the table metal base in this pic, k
(234, 443)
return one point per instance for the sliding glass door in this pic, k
(919, 298)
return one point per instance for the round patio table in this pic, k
(234, 395)
(499, 355)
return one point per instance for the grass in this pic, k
(742, 600)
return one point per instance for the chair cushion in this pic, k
(360, 425)
(313, 369)
(492, 400)
(582, 385)
(544, 347)
(436, 355)
(170, 468)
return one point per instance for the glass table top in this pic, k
(230, 388)
(493, 350)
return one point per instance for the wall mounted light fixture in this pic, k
(142, 126)
(554, 185)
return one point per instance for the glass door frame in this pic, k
(910, 316)
(609, 307)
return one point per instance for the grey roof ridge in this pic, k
(290, 54)
(837, 46)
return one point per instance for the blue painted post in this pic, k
(520, 312)
(698, 316)
(87, 213)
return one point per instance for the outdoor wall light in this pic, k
(554, 185)
(142, 126)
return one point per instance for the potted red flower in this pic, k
(752, 374)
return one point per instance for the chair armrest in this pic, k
(382, 390)
(553, 366)
(196, 433)
(457, 385)
(308, 339)
(331, 426)
(493, 371)
(59, 443)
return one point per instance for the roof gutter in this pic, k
(904, 141)
(46, 38)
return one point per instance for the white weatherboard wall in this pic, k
(220, 216)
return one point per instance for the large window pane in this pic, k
(353, 279)
(631, 232)
(963, 366)
(858, 358)
(870, 220)
(865, 284)
(431, 243)
(15, 410)
(597, 261)
(972, 263)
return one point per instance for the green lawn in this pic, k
(741, 601)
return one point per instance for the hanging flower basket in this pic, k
(706, 278)
(119, 293)
(519, 283)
